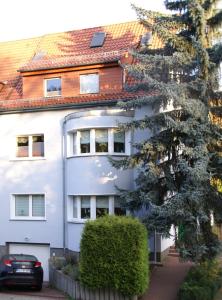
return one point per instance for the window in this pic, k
(220, 77)
(30, 146)
(85, 141)
(98, 39)
(85, 207)
(89, 84)
(102, 206)
(101, 140)
(81, 208)
(53, 87)
(119, 141)
(28, 207)
(98, 141)
(118, 210)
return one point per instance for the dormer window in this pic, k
(53, 87)
(89, 84)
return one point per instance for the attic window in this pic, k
(146, 39)
(39, 55)
(52, 87)
(98, 39)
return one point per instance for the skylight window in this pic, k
(98, 39)
(146, 39)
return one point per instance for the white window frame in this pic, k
(53, 94)
(220, 77)
(76, 133)
(96, 88)
(111, 199)
(30, 148)
(29, 217)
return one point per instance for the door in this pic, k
(42, 252)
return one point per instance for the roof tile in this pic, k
(63, 50)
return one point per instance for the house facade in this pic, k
(58, 120)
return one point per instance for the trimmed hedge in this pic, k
(202, 282)
(114, 254)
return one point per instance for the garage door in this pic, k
(42, 252)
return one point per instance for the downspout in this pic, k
(64, 151)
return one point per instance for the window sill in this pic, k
(52, 96)
(78, 221)
(27, 219)
(27, 158)
(98, 154)
(89, 93)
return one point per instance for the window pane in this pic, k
(53, 87)
(85, 141)
(101, 140)
(38, 206)
(75, 211)
(75, 143)
(21, 205)
(102, 206)
(22, 146)
(118, 210)
(119, 141)
(89, 83)
(38, 145)
(85, 207)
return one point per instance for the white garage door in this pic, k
(42, 252)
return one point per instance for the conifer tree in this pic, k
(179, 159)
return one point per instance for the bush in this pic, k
(114, 254)
(202, 282)
(71, 270)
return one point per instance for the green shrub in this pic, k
(71, 270)
(202, 282)
(58, 262)
(114, 254)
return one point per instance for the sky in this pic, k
(29, 18)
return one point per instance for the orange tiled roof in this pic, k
(18, 104)
(62, 50)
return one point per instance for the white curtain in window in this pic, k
(102, 202)
(38, 206)
(85, 202)
(101, 135)
(22, 205)
(84, 137)
(89, 83)
(75, 210)
(119, 136)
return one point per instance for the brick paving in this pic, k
(166, 280)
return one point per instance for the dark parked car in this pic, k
(21, 270)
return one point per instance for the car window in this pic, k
(20, 257)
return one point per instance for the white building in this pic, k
(58, 96)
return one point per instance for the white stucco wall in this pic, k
(43, 176)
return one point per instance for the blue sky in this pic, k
(28, 18)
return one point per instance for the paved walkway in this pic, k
(26, 294)
(166, 280)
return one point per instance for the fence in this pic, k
(78, 292)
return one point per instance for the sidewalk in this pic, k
(166, 280)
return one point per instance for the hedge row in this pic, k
(202, 282)
(114, 254)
